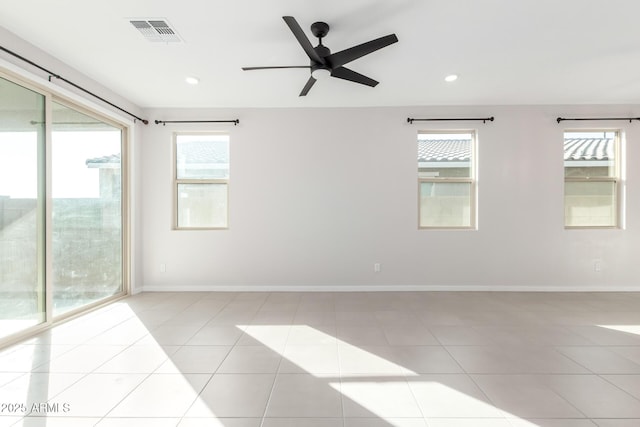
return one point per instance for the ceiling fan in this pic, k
(325, 63)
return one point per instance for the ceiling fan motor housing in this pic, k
(322, 52)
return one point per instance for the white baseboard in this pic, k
(386, 288)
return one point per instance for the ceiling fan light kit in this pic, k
(320, 73)
(323, 63)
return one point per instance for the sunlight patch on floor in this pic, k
(630, 329)
(271, 336)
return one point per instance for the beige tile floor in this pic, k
(432, 359)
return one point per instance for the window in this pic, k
(446, 179)
(201, 181)
(591, 178)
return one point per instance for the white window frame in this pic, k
(471, 180)
(615, 179)
(178, 181)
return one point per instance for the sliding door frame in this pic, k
(45, 165)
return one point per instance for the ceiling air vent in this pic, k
(156, 30)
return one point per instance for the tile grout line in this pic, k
(275, 376)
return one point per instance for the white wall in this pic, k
(317, 196)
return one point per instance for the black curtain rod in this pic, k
(164, 122)
(562, 119)
(52, 74)
(484, 120)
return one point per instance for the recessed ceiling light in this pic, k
(451, 78)
(192, 80)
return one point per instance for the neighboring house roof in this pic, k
(444, 150)
(588, 149)
(193, 153)
(440, 150)
(104, 162)
(202, 152)
(459, 150)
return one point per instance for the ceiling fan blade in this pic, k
(347, 74)
(338, 59)
(275, 67)
(307, 86)
(302, 39)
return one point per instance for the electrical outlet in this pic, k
(597, 265)
(163, 268)
(376, 267)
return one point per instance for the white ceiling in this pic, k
(505, 51)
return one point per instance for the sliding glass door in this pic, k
(86, 188)
(22, 142)
(62, 210)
